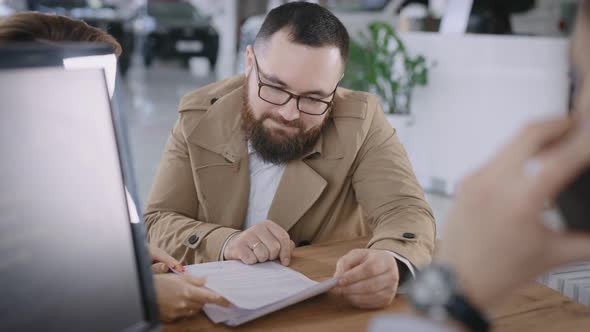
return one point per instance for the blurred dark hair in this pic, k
(34, 26)
(308, 24)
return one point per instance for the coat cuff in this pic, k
(405, 274)
(210, 246)
(221, 253)
(416, 252)
(404, 261)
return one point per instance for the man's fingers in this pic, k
(244, 248)
(271, 243)
(372, 285)
(367, 269)
(247, 256)
(255, 245)
(350, 260)
(335, 290)
(243, 251)
(261, 252)
(286, 245)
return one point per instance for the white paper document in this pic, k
(254, 290)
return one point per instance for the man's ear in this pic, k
(249, 60)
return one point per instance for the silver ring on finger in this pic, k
(261, 253)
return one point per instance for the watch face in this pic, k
(436, 294)
(432, 288)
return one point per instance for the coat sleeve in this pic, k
(385, 186)
(172, 210)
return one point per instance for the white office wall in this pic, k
(481, 91)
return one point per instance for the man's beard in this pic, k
(282, 148)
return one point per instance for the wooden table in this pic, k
(532, 308)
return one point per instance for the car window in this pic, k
(357, 5)
(65, 4)
(168, 9)
(83, 4)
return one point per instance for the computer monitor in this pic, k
(69, 260)
(66, 54)
(82, 55)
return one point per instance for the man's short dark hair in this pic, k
(308, 24)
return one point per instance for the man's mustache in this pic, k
(294, 123)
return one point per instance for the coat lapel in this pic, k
(298, 190)
(219, 158)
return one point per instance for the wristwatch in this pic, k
(436, 293)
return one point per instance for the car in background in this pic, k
(357, 15)
(176, 29)
(113, 19)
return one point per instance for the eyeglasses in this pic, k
(277, 96)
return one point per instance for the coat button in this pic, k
(193, 239)
(409, 235)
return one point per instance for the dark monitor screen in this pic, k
(28, 55)
(69, 260)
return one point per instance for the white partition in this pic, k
(481, 91)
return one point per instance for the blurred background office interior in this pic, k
(453, 97)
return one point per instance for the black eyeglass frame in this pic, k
(292, 95)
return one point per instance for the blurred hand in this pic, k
(162, 262)
(265, 241)
(367, 278)
(182, 296)
(495, 238)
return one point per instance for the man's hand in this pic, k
(367, 278)
(265, 241)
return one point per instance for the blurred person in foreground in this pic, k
(495, 238)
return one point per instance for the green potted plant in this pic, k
(380, 63)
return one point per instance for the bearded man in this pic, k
(282, 157)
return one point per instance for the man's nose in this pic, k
(289, 111)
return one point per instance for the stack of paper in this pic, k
(254, 290)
